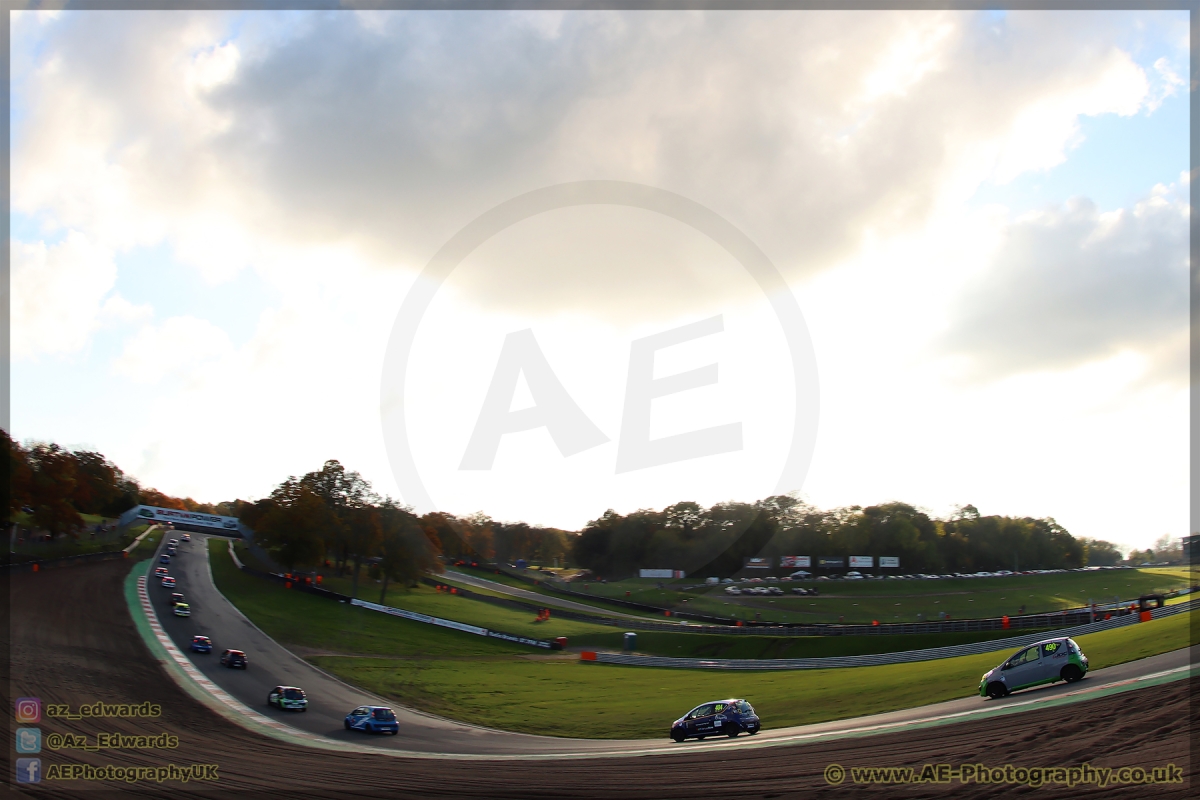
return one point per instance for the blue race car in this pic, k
(201, 644)
(718, 718)
(373, 719)
(164, 558)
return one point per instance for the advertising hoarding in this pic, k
(889, 562)
(831, 562)
(191, 517)
(660, 573)
(795, 561)
(758, 563)
(862, 562)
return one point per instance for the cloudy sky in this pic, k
(221, 220)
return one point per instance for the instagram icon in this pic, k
(29, 709)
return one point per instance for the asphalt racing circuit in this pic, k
(73, 641)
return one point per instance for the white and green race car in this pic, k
(289, 698)
(1045, 662)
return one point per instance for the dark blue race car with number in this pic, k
(718, 718)
(373, 719)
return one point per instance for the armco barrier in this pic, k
(904, 657)
(458, 626)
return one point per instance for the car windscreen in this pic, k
(384, 714)
(745, 707)
(293, 694)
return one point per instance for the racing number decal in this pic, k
(1051, 647)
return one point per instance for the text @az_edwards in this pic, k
(102, 710)
(1010, 774)
(169, 772)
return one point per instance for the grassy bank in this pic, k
(549, 697)
(491, 683)
(908, 600)
(296, 618)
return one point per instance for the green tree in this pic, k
(294, 533)
(52, 485)
(405, 552)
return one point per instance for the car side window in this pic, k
(1024, 657)
(1051, 648)
(718, 708)
(702, 711)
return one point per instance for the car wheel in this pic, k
(1071, 673)
(677, 738)
(996, 690)
(755, 731)
(732, 733)
(347, 724)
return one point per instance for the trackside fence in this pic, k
(905, 657)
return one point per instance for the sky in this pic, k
(543, 264)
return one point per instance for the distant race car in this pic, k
(187, 537)
(161, 571)
(288, 698)
(168, 581)
(1058, 659)
(176, 597)
(172, 542)
(718, 718)
(201, 644)
(234, 659)
(372, 719)
(164, 558)
(182, 610)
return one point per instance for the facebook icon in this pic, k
(29, 770)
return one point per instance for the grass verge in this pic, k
(550, 697)
(491, 683)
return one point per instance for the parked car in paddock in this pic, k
(168, 581)
(732, 590)
(201, 644)
(373, 719)
(1051, 660)
(182, 610)
(235, 659)
(288, 698)
(717, 718)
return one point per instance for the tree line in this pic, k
(714, 542)
(333, 516)
(53, 486)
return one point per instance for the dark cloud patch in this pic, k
(1070, 286)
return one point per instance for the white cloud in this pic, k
(179, 346)
(1071, 285)
(57, 294)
